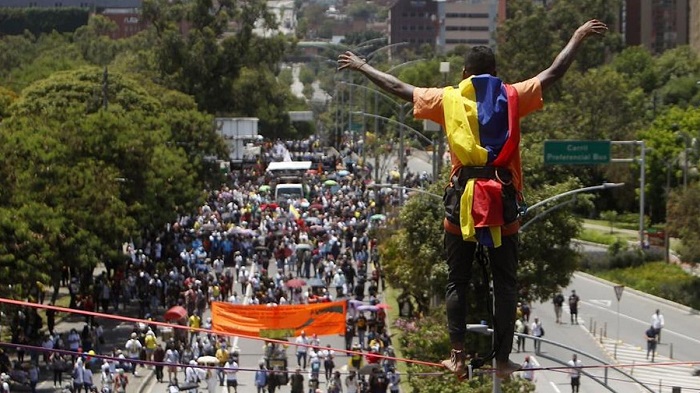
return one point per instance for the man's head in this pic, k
(479, 60)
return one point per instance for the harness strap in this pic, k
(503, 175)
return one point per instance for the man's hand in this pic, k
(350, 60)
(592, 27)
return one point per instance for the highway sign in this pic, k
(576, 152)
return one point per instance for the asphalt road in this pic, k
(598, 311)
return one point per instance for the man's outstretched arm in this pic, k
(386, 82)
(566, 56)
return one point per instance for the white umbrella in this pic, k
(207, 360)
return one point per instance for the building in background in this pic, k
(126, 14)
(694, 26)
(415, 22)
(467, 23)
(658, 25)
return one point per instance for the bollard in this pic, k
(632, 368)
(594, 328)
(601, 335)
(615, 351)
(676, 389)
(670, 351)
(590, 324)
(605, 329)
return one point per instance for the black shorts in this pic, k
(575, 381)
(233, 383)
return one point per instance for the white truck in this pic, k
(289, 179)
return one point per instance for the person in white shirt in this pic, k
(191, 374)
(537, 331)
(657, 322)
(527, 367)
(302, 349)
(133, 351)
(328, 355)
(575, 373)
(231, 369)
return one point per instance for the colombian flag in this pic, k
(294, 212)
(481, 122)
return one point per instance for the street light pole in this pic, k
(603, 186)
(444, 70)
(401, 153)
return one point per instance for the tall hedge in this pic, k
(14, 21)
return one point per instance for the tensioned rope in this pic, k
(277, 341)
(202, 330)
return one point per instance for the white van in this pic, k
(287, 191)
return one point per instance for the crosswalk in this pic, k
(661, 376)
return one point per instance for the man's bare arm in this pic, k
(566, 56)
(386, 82)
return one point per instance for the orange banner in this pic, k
(281, 321)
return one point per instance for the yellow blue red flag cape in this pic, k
(482, 126)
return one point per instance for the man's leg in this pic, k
(460, 257)
(504, 266)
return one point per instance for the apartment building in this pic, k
(658, 24)
(415, 22)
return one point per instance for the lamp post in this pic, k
(402, 128)
(599, 187)
(667, 244)
(444, 70)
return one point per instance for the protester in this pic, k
(575, 373)
(492, 171)
(657, 322)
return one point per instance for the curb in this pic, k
(639, 293)
(147, 380)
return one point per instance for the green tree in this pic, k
(94, 42)
(637, 65)
(611, 217)
(683, 210)
(220, 69)
(532, 36)
(666, 137)
(110, 172)
(415, 250)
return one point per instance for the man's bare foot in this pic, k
(457, 363)
(504, 369)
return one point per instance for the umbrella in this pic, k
(330, 183)
(367, 369)
(367, 307)
(378, 217)
(315, 283)
(355, 302)
(295, 283)
(343, 172)
(312, 220)
(264, 188)
(207, 360)
(304, 246)
(383, 306)
(316, 206)
(175, 313)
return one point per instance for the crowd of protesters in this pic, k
(223, 252)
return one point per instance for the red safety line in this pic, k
(216, 332)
